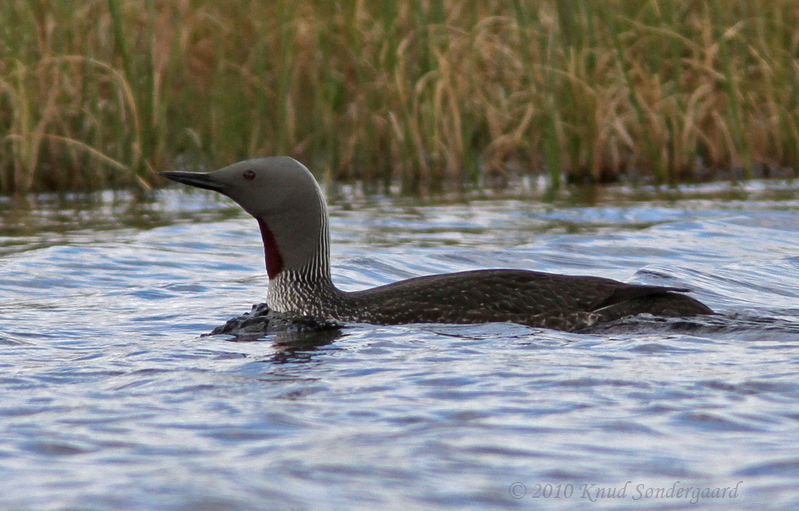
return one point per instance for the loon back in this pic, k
(563, 302)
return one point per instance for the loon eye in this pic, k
(249, 174)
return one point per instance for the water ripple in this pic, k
(113, 399)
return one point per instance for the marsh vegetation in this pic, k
(103, 93)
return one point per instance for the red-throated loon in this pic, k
(288, 204)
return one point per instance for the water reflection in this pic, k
(288, 344)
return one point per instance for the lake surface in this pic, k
(113, 399)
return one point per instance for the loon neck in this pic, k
(272, 255)
(299, 281)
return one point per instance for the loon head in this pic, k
(282, 194)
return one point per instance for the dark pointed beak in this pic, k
(196, 179)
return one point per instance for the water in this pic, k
(111, 399)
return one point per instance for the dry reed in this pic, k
(104, 92)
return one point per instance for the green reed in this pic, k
(105, 93)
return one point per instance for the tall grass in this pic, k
(103, 93)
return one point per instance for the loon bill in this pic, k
(288, 204)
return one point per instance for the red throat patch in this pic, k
(274, 261)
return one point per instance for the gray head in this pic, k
(285, 199)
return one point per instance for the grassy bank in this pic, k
(103, 93)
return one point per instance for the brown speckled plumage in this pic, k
(561, 302)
